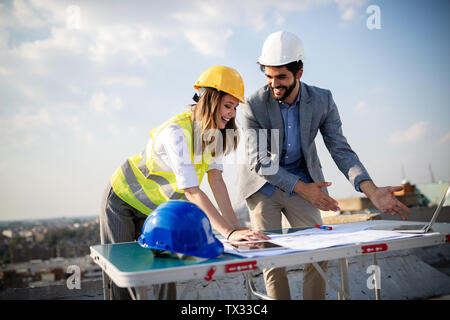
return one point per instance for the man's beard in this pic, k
(287, 91)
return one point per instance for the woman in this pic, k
(177, 156)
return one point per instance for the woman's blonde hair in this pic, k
(204, 115)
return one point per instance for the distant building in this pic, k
(408, 188)
(38, 273)
(431, 194)
(8, 233)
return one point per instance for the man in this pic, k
(286, 177)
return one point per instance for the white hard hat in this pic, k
(281, 48)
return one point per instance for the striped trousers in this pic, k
(120, 222)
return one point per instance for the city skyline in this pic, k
(82, 84)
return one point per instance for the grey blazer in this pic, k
(263, 147)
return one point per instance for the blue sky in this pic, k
(82, 86)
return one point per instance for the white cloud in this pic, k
(74, 89)
(207, 34)
(279, 19)
(445, 138)
(348, 14)
(141, 34)
(3, 165)
(349, 9)
(140, 42)
(25, 127)
(28, 121)
(128, 81)
(81, 134)
(203, 24)
(208, 42)
(105, 103)
(40, 57)
(101, 44)
(100, 36)
(32, 13)
(413, 133)
(361, 107)
(25, 15)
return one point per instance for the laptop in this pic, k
(423, 228)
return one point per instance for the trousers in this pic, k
(265, 214)
(120, 222)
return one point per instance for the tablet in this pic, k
(246, 247)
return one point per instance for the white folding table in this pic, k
(130, 266)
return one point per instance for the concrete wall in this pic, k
(90, 290)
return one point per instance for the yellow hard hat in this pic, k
(224, 79)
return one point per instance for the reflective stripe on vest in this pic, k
(137, 184)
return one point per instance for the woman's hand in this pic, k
(245, 234)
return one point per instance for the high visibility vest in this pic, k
(137, 183)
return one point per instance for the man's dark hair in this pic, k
(293, 67)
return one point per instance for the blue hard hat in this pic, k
(181, 227)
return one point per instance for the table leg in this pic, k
(141, 293)
(341, 293)
(250, 286)
(162, 291)
(377, 279)
(130, 291)
(343, 269)
(166, 291)
(247, 285)
(107, 287)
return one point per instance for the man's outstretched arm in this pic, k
(383, 198)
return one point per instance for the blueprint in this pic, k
(313, 239)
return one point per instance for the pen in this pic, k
(324, 227)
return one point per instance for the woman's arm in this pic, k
(197, 196)
(172, 141)
(222, 197)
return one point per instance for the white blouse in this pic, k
(172, 155)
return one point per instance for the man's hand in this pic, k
(313, 193)
(383, 198)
